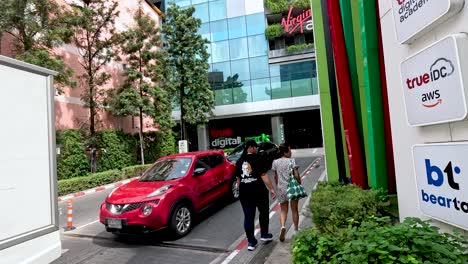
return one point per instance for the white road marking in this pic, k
(65, 250)
(88, 224)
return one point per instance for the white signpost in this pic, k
(413, 18)
(183, 146)
(434, 82)
(441, 172)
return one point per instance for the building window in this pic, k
(255, 24)
(243, 93)
(257, 46)
(219, 30)
(220, 51)
(224, 68)
(237, 27)
(280, 89)
(261, 90)
(280, 44)
(201, 12)
(259, 67)
(217, 10)
(204, 31)
(299, 39)
(198, 1)
(301, 87)
(235, 8)
(241, 68)
(238, 48)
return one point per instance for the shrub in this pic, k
(134, 171)
(277, 6)
(334, 206)
(274, 30)
(159, 144)
(98, 179)
(299, 47)
(375, 241)
(83, 183)
(115, 153)
(72, 161)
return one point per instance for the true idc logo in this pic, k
(438, 177)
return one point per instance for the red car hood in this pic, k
(135, 192)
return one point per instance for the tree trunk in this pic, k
(92, 129)
(141, 138)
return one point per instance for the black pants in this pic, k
(249, 205)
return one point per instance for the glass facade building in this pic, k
(240, 71)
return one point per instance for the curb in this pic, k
(276, 207)
(97, 189)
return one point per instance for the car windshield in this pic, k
(167, 169)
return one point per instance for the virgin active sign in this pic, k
(434, 82)
(441, 172)
(415, 17)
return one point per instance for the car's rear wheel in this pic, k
(181, 220)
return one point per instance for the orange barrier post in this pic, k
(69, 215)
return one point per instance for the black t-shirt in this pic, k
(250, 170)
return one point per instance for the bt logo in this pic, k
(435, 176)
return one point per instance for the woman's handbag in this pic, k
(295, 190)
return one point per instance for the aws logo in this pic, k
(440, 69)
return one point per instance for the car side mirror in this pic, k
(199, 171)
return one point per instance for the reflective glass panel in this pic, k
(241, 68)
(204, 31)
(217, 10)
(301, 87)
(198, 1)
(223, 96)
(181, 3)
(219, 30)
(224, 68)
(235, 8)
(255, 24)
(242, 94)
(201, 12)
(257, 46)
(238, 48)
(274, 70)
(237, 27)
(261, 90)
(220, 51)
(280, 89)
(259, 67)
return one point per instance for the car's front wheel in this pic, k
(181, 220)
(234, 190)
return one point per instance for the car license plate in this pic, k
(114, 223)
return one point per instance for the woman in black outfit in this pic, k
(251, 178)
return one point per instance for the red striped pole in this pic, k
(69, 215)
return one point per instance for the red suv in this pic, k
(169, 193)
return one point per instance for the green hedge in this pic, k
(377, 241)
(274, 30)
(98, 179)
(335, 206)
(299, 47)
(282, 6)
(72, 160)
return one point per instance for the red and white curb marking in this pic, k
(276, 207)
(97, 189)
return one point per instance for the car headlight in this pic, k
(160, 191)
(147, 209)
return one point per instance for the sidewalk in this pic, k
(281, 254)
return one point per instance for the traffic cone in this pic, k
(69, 216)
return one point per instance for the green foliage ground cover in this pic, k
(353, 226)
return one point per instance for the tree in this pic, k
(187, 66)
(35, 33)
(143, 92)
(93, 24)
